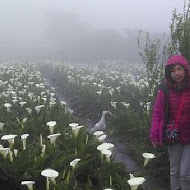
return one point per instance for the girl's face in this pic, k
(178, 73)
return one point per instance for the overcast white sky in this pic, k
(20, 17)
(152, 15)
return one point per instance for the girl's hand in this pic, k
(154, 144)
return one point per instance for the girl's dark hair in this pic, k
(168, 70)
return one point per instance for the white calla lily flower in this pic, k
(29, 184)
(4, 151)
(30, 95)
(63, 103)
(51, 125)
(29, 110)
(53, 138)
(50, 175)
(22, 104)
(52, 94)
(135, 182)
(38, 108)
(52, 103)
(10, 138)
(98, 134)
(24, 120)
(99, 92)
(44, 99)
(14, 101)
(147, 157)
(105, 146)
(76, 130)
(102, 138)
(131, 175)
(107, 154)
(72, 125)
(8, 106)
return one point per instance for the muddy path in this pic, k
(121, 152)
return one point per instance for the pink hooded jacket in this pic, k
(158, 116)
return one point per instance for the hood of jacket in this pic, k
(177, 59)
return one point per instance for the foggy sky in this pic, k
(80, 29)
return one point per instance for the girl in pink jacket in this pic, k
(166, 107)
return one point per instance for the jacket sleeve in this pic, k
(158, 119)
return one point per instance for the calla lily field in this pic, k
(61, 121)
(44, 147)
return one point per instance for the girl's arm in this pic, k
(158, 120)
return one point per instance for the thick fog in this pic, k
(80, 29)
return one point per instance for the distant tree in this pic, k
(151, 53)
(155, 51)
(180, 31)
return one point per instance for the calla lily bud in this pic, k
(1, 126)
(43, 150)
(74, 162)
(23, 138)
(147, 157)
(41, 141)
(15, 151)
